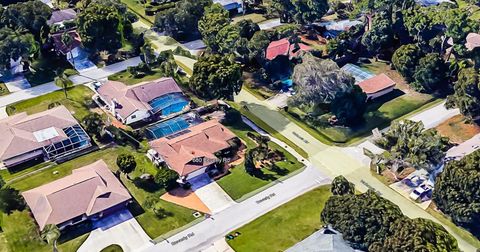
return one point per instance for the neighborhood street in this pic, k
(333, 161)
(207, 232)
(87, 76)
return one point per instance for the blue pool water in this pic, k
(169, 127)
(287, 84)
(169, 104)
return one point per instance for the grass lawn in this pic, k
(21, 234)
(255, 17)
(152, 225)
(139, 9)
(464, 234)
(457, 129)
(77, 96)
(3, 89)
(379, 114)
(284, 226)
(128, 79)
(268, 129)
(239, 183)
(112, 248)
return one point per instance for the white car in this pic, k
(420, 191)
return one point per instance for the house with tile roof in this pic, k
(146, 101)
(283, 47)
(46, 135)
(195, 150)
(377, 86)
(90, 192)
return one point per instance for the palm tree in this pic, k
(67, 40)
(51, 233)
(64, 82)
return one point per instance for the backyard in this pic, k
(239, 183)
(78, 99)
(24, 237)
(284, 226)
(379, 113)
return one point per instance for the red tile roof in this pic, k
(195, 149)
(88, 190)
(282, 47)
(376, 84)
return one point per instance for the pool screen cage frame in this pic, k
(76, 139)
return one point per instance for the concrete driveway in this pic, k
(434, 116)
(211, 194)
(16, 84)
(128, 234)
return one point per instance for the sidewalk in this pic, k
(87, 76)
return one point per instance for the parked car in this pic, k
(421, 191)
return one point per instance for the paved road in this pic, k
(204, 234)
(333, 161)
(87, 76)
(434, 116)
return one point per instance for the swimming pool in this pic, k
(171, 126)
(169, 104)
(287, 84)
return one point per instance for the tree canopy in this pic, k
(409, 142)
(417, 235)
(216, 77)
(362, 219)
(30, 15)
(100, 27)
(126, 163)
(214, 19)
(10, 200)
(166, 178)
(372, 223)
(466, 94)
(341, 186)
(302, 11)
(405, 59)
(380, 35)
(182, 20)
(321, 83)
(14, 45)
(457, 191)
(430, 73)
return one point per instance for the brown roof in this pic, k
(136, 97)
(376, 84)
(63, 48)
(88, 190)
(20, 132)
(199, 143)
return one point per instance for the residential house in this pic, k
(283, 47)
(146, 101)
(373, 85)
(232, 6)
(472, 41)
(89, 193)
(324, 240)
(47, 135)
(377, 86)
(60, 16)
(73, 52)
(195, 150)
